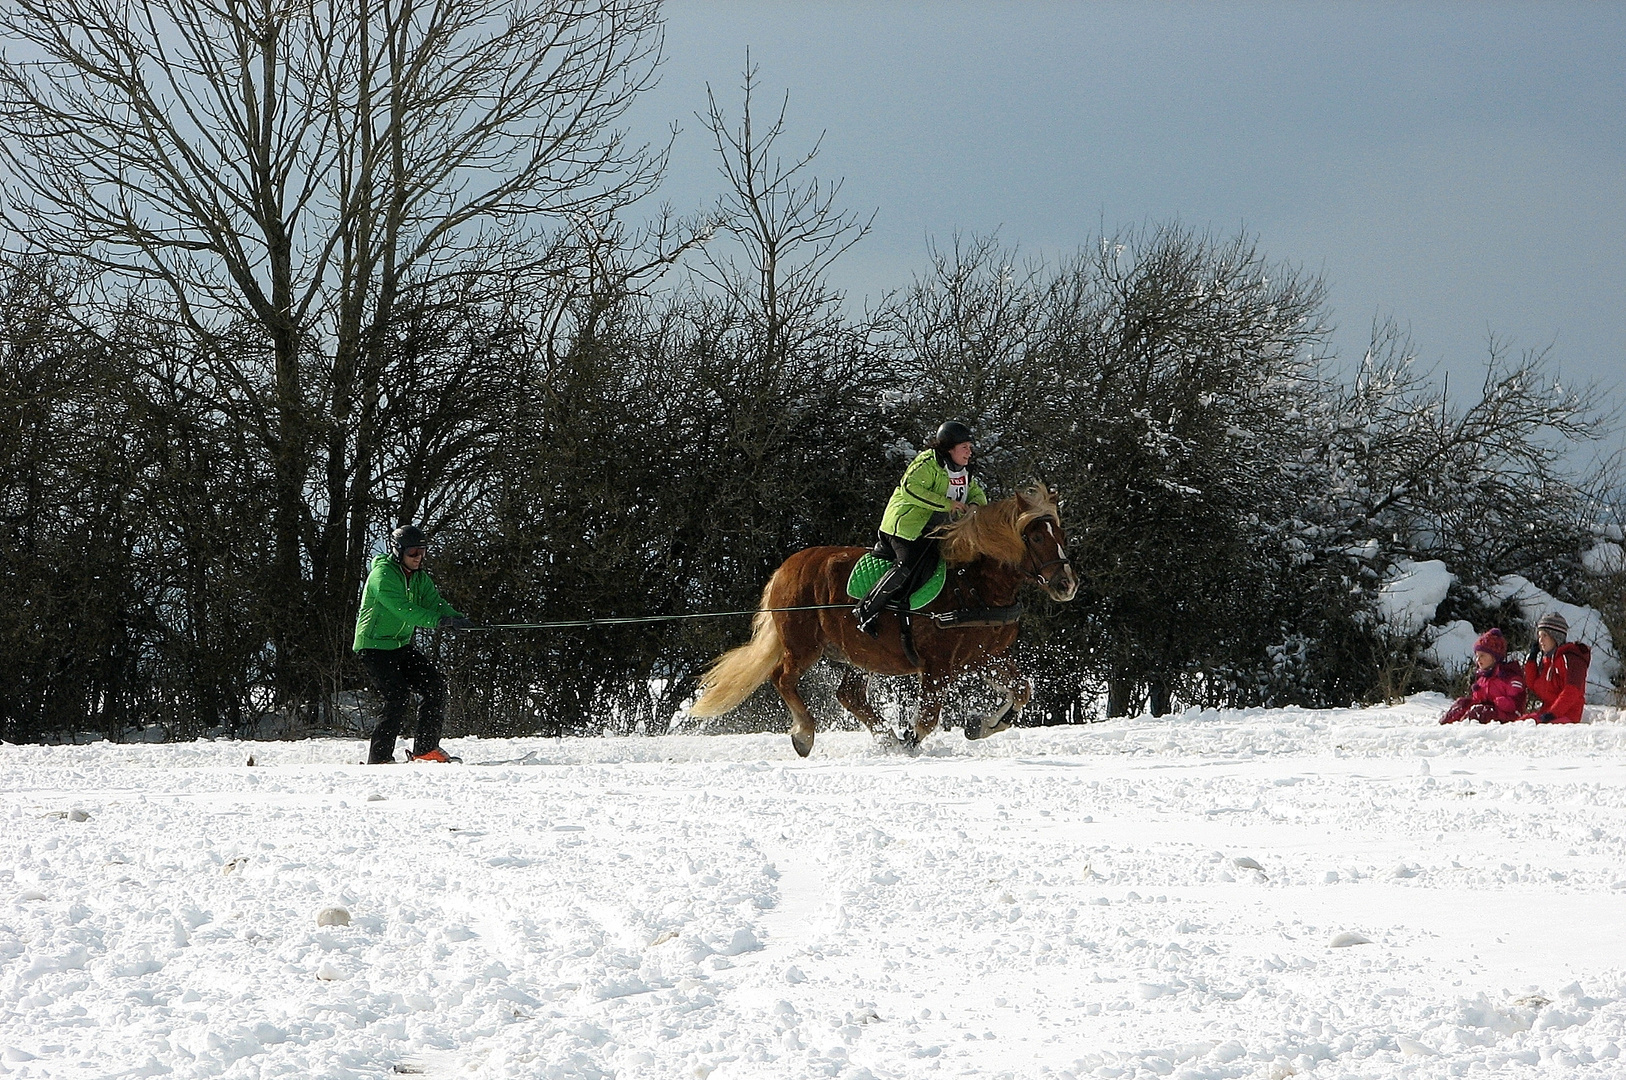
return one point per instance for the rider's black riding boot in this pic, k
(868, 611)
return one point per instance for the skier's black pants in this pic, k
(912, 560)
(398, 674)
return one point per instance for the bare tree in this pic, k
(786, 221)
(978, 340)
(280, 173)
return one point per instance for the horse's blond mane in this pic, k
(995, 530)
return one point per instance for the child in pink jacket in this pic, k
(1497, 692)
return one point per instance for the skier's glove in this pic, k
(1545, 718)
(1534, 653)
(456, 622)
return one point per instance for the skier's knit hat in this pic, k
(1492, 642)
(1556, 625)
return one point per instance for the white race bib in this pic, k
(959, 484)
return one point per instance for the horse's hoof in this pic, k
(802, 743)
(910, 738)
(982, 727)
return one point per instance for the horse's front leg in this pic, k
(1006, 678)
(933, 689)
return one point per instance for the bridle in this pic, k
(1039, 572)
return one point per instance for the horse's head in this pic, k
(1023, 531)
(1045, 543)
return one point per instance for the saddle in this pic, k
(870, 568)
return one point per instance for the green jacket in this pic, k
(922, 492)
(393, 605)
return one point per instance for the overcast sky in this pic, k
(1459, 167)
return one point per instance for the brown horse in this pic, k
(991, 551)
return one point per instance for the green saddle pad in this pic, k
(869, 571)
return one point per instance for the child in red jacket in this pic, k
(1497, 692)
(1555, 672)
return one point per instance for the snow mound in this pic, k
(1604, 558)
(1412, 593)
(1453, 645)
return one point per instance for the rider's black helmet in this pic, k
(951, 434)
(407, 536)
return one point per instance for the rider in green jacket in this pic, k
(936, 486)
(398, 598)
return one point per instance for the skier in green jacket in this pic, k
(936, 486)
(399, 598)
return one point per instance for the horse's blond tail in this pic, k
(739, 671)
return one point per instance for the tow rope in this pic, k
(966, 617)
(626, 619)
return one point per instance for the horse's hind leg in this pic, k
(787, 678)
(853, 693)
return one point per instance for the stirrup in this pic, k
(867, 624)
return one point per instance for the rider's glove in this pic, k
(456, 622)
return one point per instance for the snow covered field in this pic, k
(1170, 897)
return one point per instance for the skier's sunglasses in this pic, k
(412, 553)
